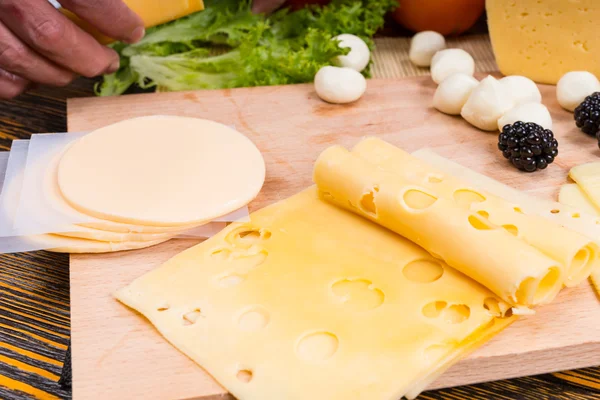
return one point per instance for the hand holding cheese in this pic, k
(42, 45)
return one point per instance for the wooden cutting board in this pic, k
(117, 354)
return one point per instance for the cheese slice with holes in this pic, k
(570, 217)
(436, 220)
(576, 253)
(310, 301)
(572, 195)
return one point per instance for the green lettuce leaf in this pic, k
(228, 46)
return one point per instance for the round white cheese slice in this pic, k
(161, 171)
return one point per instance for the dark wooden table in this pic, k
(34, 296)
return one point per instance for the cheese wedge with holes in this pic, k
(572, 195)
(468, 241)
(576, 253)
(565, 215)
(310, 301)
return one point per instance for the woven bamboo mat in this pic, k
(390, 58)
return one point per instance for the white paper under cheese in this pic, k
(515, 271)
(13, 178)
(310, 301)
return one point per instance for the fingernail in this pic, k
(137, 34)
(114, 67)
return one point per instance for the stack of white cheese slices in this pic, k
(125, 186)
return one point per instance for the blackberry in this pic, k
(587, 115)
(528, 146)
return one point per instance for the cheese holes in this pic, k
(191, 317)
(480, 223)
(497, 308)
(253, 319)
(575, 215)
(434, 309)
(512, 229)
(453, 314)
(518, 210)
(244, 375)
(367, 202)
(555, 211)
(549, 286)
(247, 236)
(435, 178)
(317, 346)
(423, 271)
(163, 307)
(358, 294)
(221, 254)
(466, 197)
(416, 199)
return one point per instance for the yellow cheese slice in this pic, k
(310, 301)
(572, 195)
(128, 172)
(61, 244)
(543, 40)
(108, 236)
(567, 216)
(587, 176)
(575, 252)
(468, 241)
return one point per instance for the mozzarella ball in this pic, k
(359, 56)
(339, 85)
(528, 112)
(451, 61)
(423, 46)
(488, 101)
(453, 92)
(523, 90)
(574, 87)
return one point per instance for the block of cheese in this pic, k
(544, 39)
(127, 172)
(152, 12)
(466, 240)
(576, 253)
(310, 301)
(572, 195)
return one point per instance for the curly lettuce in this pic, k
(227, 46)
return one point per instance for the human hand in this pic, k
(38, 44)
(266, 6)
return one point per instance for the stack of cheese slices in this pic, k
(131, 185)
(369, 284)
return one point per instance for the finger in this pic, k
(111, 17)
(53, 35)
(266, 6)
(17, 58)
(11, 85)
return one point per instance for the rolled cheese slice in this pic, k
(466, 240)
(161, 171)
(573, 219)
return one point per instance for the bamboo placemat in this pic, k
(390, 58)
